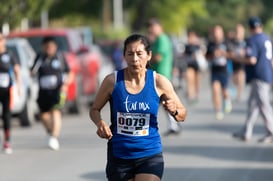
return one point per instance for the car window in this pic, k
(36, 43)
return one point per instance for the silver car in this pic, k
(21, 105)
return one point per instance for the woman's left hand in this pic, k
(169, 105)
(103, 130)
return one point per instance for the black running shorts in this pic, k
(47, 99)
(126, 169)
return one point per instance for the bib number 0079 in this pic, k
(131, 121)
(133, 124)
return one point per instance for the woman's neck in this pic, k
(134, 82)
(135, 77)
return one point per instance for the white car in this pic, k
(25, 55)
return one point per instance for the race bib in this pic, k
(48, 82)
(4, 80)
(5, 58)
(221, 61)
(133, 124)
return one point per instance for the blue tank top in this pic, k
(134, 120)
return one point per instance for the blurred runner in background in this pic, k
(8, 65)
(216, 53)
(50, 67)
(117, 56)
(193, 72)
(179, 65)
(236, 50)
(260, 77)
(162, 61)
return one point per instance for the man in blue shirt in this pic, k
(260, 77)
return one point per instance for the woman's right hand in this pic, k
(104, 130)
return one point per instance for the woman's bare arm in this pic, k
(169, 98)
(18, 78)
(101, 99)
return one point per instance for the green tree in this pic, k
(13, 11)
(175, 15)
(227, 14)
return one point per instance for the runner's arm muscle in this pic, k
(103, 95)
(169, 98)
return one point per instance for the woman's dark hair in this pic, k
(137, 37)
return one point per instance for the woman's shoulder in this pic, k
(161, 81)
(110, 78)
(162, 84)
(108, 83)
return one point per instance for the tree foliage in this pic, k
(227, 14)
(175, 15)
(13, 11)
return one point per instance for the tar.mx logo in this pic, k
(133, 106)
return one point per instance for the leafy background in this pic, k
(177, 16)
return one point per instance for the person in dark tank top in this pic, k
(8, 64)
(217, 55)
(50, 67)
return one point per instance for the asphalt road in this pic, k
(204, 151)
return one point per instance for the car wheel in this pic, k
(74, 108)
(24, 117)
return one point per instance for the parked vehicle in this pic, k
(90, 60)
(20, 104)
(81, 61)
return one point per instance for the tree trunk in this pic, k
(141, 19)
(106, 15)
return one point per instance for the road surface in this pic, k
(204, 151)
